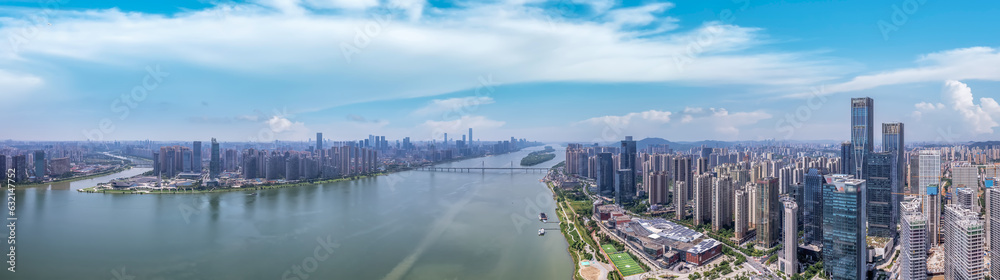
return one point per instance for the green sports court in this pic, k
(626, 264)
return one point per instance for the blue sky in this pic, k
(561, 70)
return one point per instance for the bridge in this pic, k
(483, 169)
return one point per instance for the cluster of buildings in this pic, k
(36, 163)
(662, 240)
(853, 203)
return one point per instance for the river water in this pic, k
(408, 225)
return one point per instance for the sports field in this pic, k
(626, 264)
(608, 248)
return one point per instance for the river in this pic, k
(407, 225)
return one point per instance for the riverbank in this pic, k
(233, 189)
(74, 179)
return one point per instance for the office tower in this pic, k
(844, 247)
(682, 172)
(892, 141)
(722, 202)
(659, 187)
(470, 137)
(812, 213)
(680, 192)
(186, 159)
(628, 156)
(791, 234)
(215, 163)
(993, 234)
(964, 249)
(605, 174)
(847, 158)
(741, 214)
(880, 208)
(196, 164)
(862, 132)
(929, 176)
(292, 167)
(623, 194)
(913, 240)
(319, 141)
(702, 198)
(768, 223)
(39, 165)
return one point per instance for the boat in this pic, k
(252, 194)
(542, 217)
(541, 231)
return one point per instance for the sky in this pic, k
(560, 70)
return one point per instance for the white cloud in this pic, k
(457, 106)
(16, 85)
(976, 63)
(651, 115)
(957, 116)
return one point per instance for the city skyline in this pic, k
(754, 78)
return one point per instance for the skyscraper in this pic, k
(912, 240)
(627, 167)
(964, 197)
(39, 165)
(964, 249)
(844, 246)
(606, 174)
(471, 140)
(862, 132)
(880, 208)
(3, 169)
(790, 242)
(929, 176)
(196, 160)
(741, 215)
(215, 163)
(768, 223)
(892, 141)
(812, 213)
(847, 158)
(319, 141)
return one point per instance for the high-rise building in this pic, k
(3, 169)
(844, 233)
(606, 174)
(682, 172)
(994, 231)
(929, 177)
(659, 188)
(912, 240)
(702, 198)
(812, 213)
(680, 192)
(319, 141)
(215, 163)
(790, 240)
(722, 202)
(862, 132)
(847, 158)
(741, 214)
(880, 208)
(965, 246)
(627, 162)
(196, 160)
(892, 142)
(768, 224)
(624, 188)
(20, 165)
(965, 175)
(471, 140)
(39, 165)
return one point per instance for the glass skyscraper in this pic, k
(880, 207)
(892, 142)
(812, 210)
(606, 174)
(847, 158)
(844, 247)
(627, 162)
(768, 212)
(862, 132)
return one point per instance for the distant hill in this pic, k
(984, 144)
(681, 146)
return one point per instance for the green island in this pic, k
(196, 189)
(77, 178)
(537, 157)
